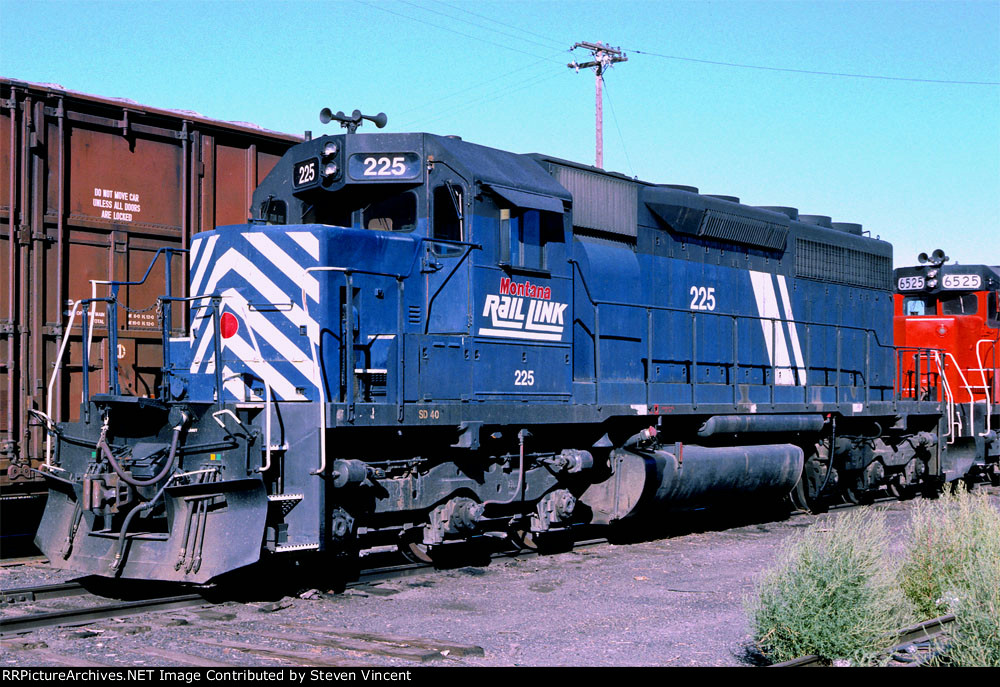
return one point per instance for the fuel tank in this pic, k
(688, 475)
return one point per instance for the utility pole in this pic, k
(604, 57)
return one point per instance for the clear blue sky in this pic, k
(916, 162)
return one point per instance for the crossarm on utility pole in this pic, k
(604, 57)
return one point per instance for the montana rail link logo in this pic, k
(523, 311)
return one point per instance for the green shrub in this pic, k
(943, 539)
(834, 592)
(953, 565)
(975, 641)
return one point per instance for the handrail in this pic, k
(986, 386)
(52, 381)
(968, 388)
(400, 278)
(112, 341)
(216, 301)
(868, 332)
(722, 314)
(949, 400)
(116, 284)
(267, 394)
(458, 263)
(919, 354)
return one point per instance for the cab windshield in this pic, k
(379, 208)
(949, 303)
(959, 304)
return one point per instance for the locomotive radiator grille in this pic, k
(746, 230)
(842, 265)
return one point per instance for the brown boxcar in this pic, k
(92, 187)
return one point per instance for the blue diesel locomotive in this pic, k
(418, 340)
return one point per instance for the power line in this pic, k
(510, 26)
(443, 28)
(454, 94)
(534, 81)
(472, 23)
(819, 73)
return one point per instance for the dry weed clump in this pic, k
(953, 566)
(834, 592)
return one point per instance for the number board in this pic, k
(384, 166)
(910, 283)
(305, 173)
(961, 281)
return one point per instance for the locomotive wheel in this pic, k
(417, 552)
(412, 547)
(524, 539)
(859, 497)
(802, 494)
(903, 492)
(543, 542)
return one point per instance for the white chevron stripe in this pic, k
(774, 337)
(284, 389)
(206, 258)
(308, 241)
(202, 348)
(284, 262)
(193, 254)
(793, 333)
(234, 261)
(270, 333)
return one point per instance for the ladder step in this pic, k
(296, 547)
(285, 497)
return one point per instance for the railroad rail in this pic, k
(35, 621)
(9, 597)
(914, 645)
(80, 616)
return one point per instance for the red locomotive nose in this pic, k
(228, 325)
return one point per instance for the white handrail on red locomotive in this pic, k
(986, 387)
(949, 401)
(965, 385)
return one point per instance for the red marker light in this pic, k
(228, 324)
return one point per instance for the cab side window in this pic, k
(993, 309)
(525, 235)
(917, 306)
(274, 211)
(447, 220)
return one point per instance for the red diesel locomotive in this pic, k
(954, 309)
